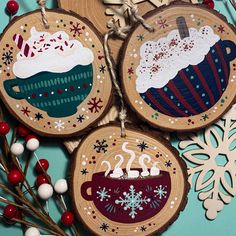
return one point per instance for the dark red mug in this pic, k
(128, 200)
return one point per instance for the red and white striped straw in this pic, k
(23, 46)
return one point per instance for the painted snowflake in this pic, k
(160, 191)
(211, 157)
(59, 125)
(102, 194)
(95, 105)
(100, 146)
(132, 201)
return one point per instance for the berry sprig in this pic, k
(23, 141)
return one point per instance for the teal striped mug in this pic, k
(58, 94)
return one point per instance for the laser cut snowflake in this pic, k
(123, 11)
(211, 157)
(132, 201)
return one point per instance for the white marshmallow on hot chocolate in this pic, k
(155, 170)
(162, 60)
(54, 53)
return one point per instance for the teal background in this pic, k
(191, 222)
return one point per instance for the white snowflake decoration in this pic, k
(160, 191)
(132, 201)
(59, 125)
(211, 156)
(102, 194)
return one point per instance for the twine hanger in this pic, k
(42, 4)
(122, 33)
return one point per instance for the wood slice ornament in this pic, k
(182, 76)
(126, 186)
(54, 80)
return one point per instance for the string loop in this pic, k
(42, 4)
(121, 33)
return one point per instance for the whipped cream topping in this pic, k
(52, 53)
(162, 60)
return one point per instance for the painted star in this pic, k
(104, 227)
(142, 146)
(102, 69)
(25, 111)
(38, 116)
(140, 37)
(221, 29)
(168, 164)
(84, 171)
(80, 118)
(205, 117)
(143, 228)
(130, 71)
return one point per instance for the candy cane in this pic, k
(23, 46)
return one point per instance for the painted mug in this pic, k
(128, 200)
(59, 94)
(196, 88)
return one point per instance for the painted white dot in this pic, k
(28, 97)
(66, 90)
(214, 111)
(87, 111)
(192, 15)
(172, 203)
(83, 109)
(101, 82)
(155, 148)
(215, 108)
(87, 117)
(134, 50)
(90, 40)
(86, 39)
(137, 140)
(86, 159)
(171, 207)
(17, 106)
(22, 27)
(141, 108)
(141, 103)
(85, 208)
(31, 118)
(40, 95)
(135, 55)
(84, 163)
(78, 87)
(8, 68)
(232, 80)
(136, 101)
(193, 19)
(52, 93)
(87, 33)
(89, 213)
(176, 198)
(57, 21)
(172, 122)
(98, 76)
(83, 156)
(234, 76)
(0, 71)
(110, 137)
(90, 208)
(166, 155)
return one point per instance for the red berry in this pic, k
(30, 136)
(43, 163)
(10, 211)
(12, 7)
(67, 218)
(4, 128)
(42, 179)
(14, 177)
(209, 3)
(22, 131)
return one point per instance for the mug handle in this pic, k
(85, 186)
(232, 46)
(9, 85)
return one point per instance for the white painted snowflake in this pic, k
(160, 191)
(102, 194)
(59, 125)
(132, 201)
(211, 157)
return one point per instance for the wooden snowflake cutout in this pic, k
(120, 13)
(211, 157)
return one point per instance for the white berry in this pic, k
(32, 144)
(45, 191)
(61, 186)
(32, 232)
(17, 149)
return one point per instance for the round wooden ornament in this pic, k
(126, 186)
(183, 76)
(54, 80)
